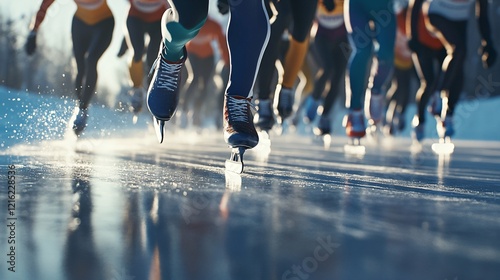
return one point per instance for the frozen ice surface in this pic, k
(115, 204)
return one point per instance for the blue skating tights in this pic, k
(362, 36)
(247, 36)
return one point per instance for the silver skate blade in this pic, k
(354, 147)
(134, 119)
(327, 141)
(235, 162)
(444, 147)
(358, 150)
(159, 126)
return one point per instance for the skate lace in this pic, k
(168, 75)
(238, 109)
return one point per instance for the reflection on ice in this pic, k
(233, 181)
(262, 151)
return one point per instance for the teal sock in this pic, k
(174, 50)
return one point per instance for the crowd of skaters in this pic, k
(369, 50)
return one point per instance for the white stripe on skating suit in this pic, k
(263, 49)
(451, 9)
(264, 46)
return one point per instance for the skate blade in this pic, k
(134, 119)
(327, 141)
(235, 162)
(358, 150)
(354, 147)
(159, 126)
(444, 147)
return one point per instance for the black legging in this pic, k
(137, 28)
(89, 43)
(302, 13)
(399, 93)
(452, 77)
(428, 63)
(333, 53)
(197, 92)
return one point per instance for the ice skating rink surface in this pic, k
(130, 208)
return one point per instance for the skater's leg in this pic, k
(180, 24)
(401, 96)
(192, 84)
(267, 70)
(404, 89)
(136, 32)
(357, 22)
(102, 34)
(323, 45)
(324, 49)
(202, 96)
(386, 37)
(81, 40)
(424, 65)
(338, 74)
(250, 18)
(154, 32)
(303, 12)
(453, 34)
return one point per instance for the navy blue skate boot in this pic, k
(239, 130)
(163, 92)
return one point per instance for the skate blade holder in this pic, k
(355, 147)
(235, 161)
(444, 147)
